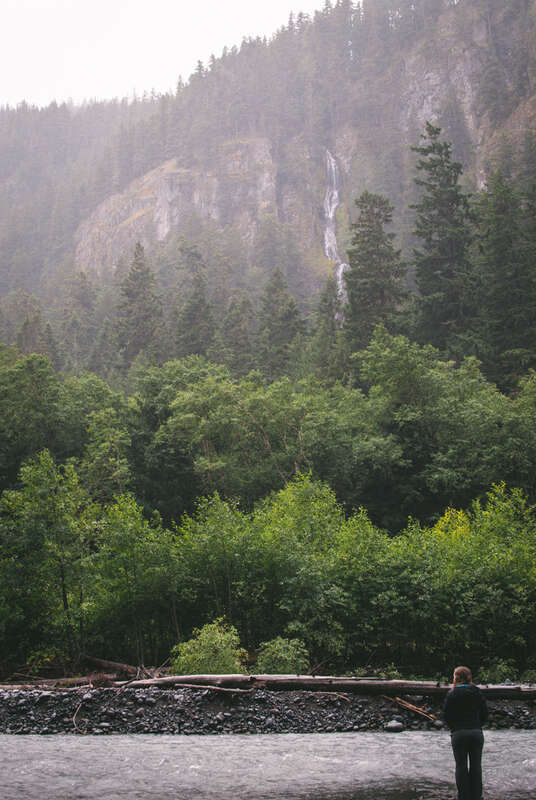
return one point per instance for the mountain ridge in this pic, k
(361, 80)
(438, 79)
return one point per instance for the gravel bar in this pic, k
(102, 711)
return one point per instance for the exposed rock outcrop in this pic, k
(438, 79)
(239, 188)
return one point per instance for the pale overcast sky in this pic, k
(84, 49)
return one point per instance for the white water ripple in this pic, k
(340, 766)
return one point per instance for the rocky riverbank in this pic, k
(205, 711)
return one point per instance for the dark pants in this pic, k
(467, 745)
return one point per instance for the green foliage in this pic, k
(48, 657)
(195, 328)
(75, 576)
(137, 588)
(236, 336)
(507, 290)
(105, 468)
(454, 433)
(46, 530)
(278, 324)
(29, 392)
(78, 398)
(139, 313)
(282, 656)
(243, 438)
(389, 672)
(498, 670)
(230, 582)
(442, 266)
(249, 488)
(326, 352)
(374, 279)
(213, 649)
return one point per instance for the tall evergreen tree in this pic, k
(442, 265)
(29, 337)
(326, 346)
(195, 327)
(105, 357)
(236, 335)
(139, 313)
(374, 280)
(278, 324)
(507, 251)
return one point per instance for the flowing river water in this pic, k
(338, 766)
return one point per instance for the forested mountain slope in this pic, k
(190, 429)
(239, 152)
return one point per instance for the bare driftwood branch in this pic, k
(417, 709)
(74, 718)
(335, 694)
(212, 688)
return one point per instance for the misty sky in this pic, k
(84, 49)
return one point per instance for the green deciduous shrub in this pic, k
(214, 648)
(283, 656)
(498, 671)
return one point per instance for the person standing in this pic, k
(465, 711)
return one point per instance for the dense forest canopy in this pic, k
(208, 431)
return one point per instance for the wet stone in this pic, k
(204, 712)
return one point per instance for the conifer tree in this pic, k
(507, 297)
(374, 280)
(236, 335)
(29, 336)
(33, 337)
(51, 347)
(195, 327)
(325, 348)
(77, 325)
(105, 357)
(278, 323)
(442, 266)
(139, 314)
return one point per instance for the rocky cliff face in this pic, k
(234, 192)
(437, 80)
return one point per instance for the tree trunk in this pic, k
(368, 686)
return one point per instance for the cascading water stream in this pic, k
(331, 203)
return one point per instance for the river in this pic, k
(338, 766)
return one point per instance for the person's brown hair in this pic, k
(462, 675)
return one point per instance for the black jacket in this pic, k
(465, 708)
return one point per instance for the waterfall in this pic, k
(331, 203)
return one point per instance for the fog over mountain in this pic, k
(244, 142)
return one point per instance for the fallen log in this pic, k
(364, 686)
(316, 683)
(329, 684)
